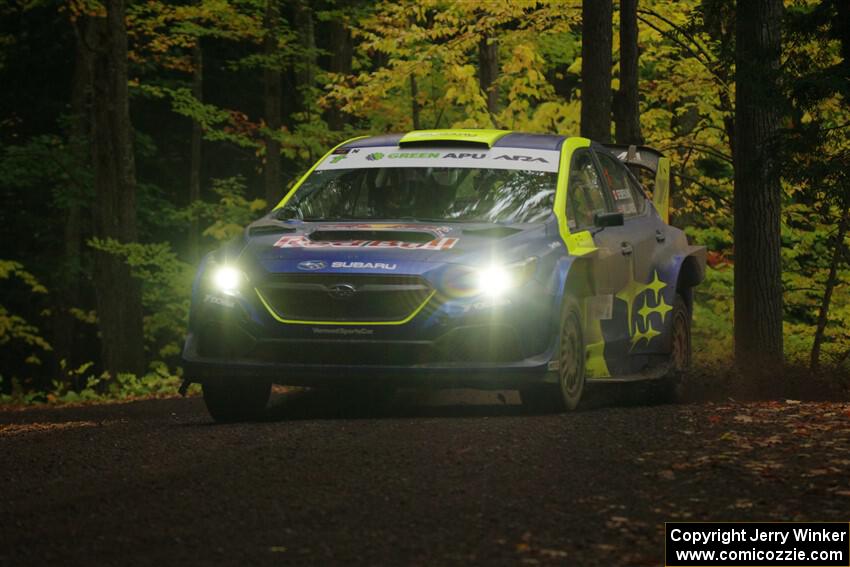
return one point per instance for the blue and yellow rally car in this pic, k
(451, 258)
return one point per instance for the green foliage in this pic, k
(159, 382)
(166, 281)
(14, 328)
(712, 318)
(228, 215)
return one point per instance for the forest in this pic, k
(138, 135)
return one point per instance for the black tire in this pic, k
(233, 399)
(674, 384)
(567, 393)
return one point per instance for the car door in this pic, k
(645, 296)
(606, 324)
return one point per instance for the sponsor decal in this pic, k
(521, 158)
(627, 209)
(452, 155)
(311, 265)
(414, 155)
(216, 300)
(622, 194)
(364, 265)
(341, 151)
(486, 304)
(525, 159)
(304, 242)
(342, 331)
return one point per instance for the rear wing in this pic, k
(653, 161)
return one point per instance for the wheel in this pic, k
(566, 395)
(233, 399)
(674, 384)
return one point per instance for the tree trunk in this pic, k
(68, 289)
(272, 98)
(596, 31)
(414, 102)
(842, 27)
(831, 281)
(758, 110)
(626, 109)
(306, 71)
(342, 53)
(488, 72)
(118, 293)
(195, 158)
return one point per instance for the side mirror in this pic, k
(608, 219)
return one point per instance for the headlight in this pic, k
(227, 279)
(496, 280)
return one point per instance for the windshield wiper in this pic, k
(338, 219)
(430, 219)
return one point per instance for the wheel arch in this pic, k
(575, 282)
(690, 272)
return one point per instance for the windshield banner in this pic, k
(495, 158)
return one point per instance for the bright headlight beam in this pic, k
(227, 279)
(494, 281)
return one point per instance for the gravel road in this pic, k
(448, 480)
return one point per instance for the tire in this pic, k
(566, 395)
(230, 399)
(674, 384)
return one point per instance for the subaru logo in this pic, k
(341, 291)
(311, 265)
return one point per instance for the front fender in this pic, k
(688, 271)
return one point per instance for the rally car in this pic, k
(451, 258)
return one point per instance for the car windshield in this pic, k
(424, 193)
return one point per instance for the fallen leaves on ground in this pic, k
(769, 441)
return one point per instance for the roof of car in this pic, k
(450, 137)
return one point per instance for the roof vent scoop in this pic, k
(458, 137)
(372, 235)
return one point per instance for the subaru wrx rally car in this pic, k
(450, 258)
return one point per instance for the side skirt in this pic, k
(655, 373)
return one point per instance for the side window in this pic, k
(638, 195)
(585, 195)
(618, 180)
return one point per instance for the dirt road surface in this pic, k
(450, 480)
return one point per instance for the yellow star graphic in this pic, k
(629, 294)
(645, 312)
(664, 308)
(656, 285)
(648, 335)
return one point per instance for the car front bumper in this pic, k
(481, 375)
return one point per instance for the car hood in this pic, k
(382, 247)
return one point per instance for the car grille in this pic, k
(344, 298)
